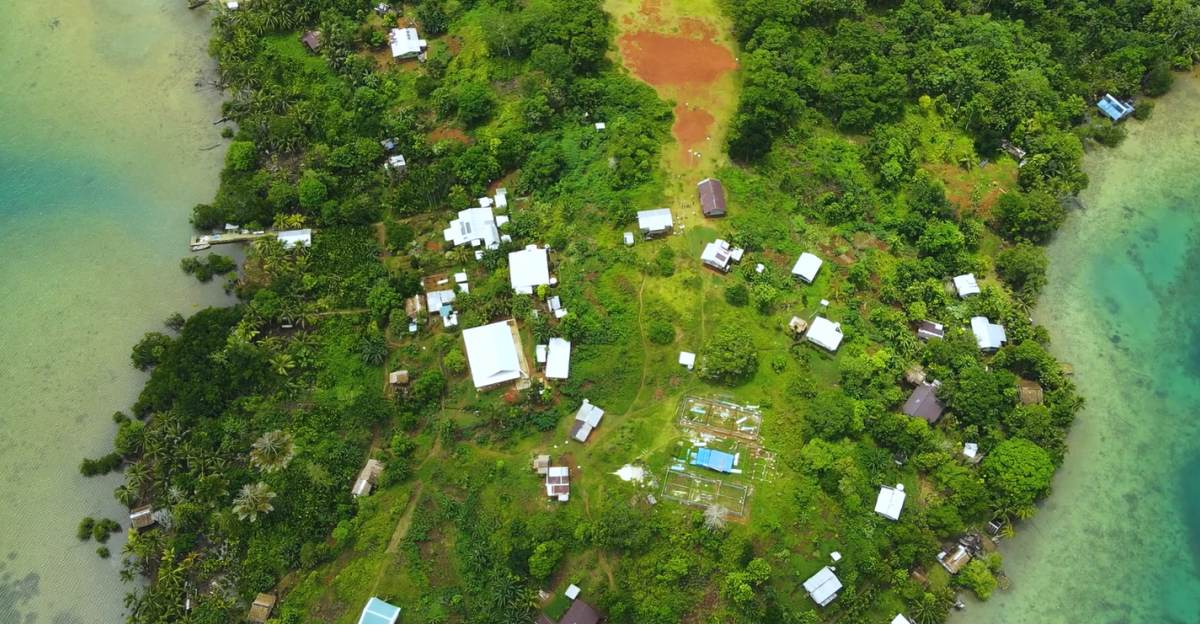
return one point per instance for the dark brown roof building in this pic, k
(712, 198)
(923, 403)
(312, 39)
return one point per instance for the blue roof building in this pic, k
(719, 461)
(379, 611)
(1114, 108)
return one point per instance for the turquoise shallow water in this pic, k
(1119, 538)
(105, 144)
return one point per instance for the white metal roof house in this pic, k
(492, 354)
(719, 255)
(476, 226)
(687, 359)
(823, 587)
(586, 419)
(397, 164)
(825, 333)
(292, 238)
(406, 43)
(990, 336)
(890, 501)
(966, 285)
(654, 222)
(528, 269)
(558, 358)
(806, 267)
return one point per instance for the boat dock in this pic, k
(204, 241)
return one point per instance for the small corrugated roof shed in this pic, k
(806, 267)
(966, 285)
(572, 591)
(397, 163)
(558, 483)
(930, 330)
(558, 358)
(825, 333)
(260, 610)
(141, 518)
(1030, 392)
(628, 238)
(528, 269)
(712, 459)
(989, 336)
(823, 587)
(797, 325)
(541, 464)
(970, 450)
(399, 377)
(712, 197)
(890, 501)
(367, 478)
(923, 403)
(655, 221)
(379, 611)
(312, 39)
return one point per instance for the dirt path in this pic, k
(645, 347)
(405, 520)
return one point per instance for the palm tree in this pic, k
(282, 363)
(273, 451)
(714, 516)
(252, 500)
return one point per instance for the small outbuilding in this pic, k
(311, 40)
(966, 285)
(398, 379)
(825, 333)
(586, 420)
(261, 609)
(927, 330)
(378, 611)
(628, 238)
(541, 464)
(141, 518)
(988, 335)
(955, 560)
(806, 267)
(720, 255)
(924, 403)
(797, 326)
(712, 198)
(396, 164)
(890, 502)
(687, 360)
(367, 478)
(823, 587)
(655, 222)
(1030, 392)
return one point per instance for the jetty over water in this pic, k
(290, 238)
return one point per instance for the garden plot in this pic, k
(684, 487)
(708, 469)
(720, 417)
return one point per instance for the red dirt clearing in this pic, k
(675, 60)
(449, 133)
(691, 128)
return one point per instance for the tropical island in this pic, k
(514, 341)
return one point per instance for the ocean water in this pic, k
(1119, 538)
(106, 143)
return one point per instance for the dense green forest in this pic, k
(869, 132)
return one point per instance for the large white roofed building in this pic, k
(406, 43)
(654, 222)
(476, 226)
(492, 353)
(528, 269)
(292, 238)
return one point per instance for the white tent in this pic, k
(990, 336)
(825, 333)
(890, 501)
(806, 267)
(823, 586)
(292, 238)
(528, 269)
(476, 226)
(966, 285)
(558, 358)
(492, 354)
